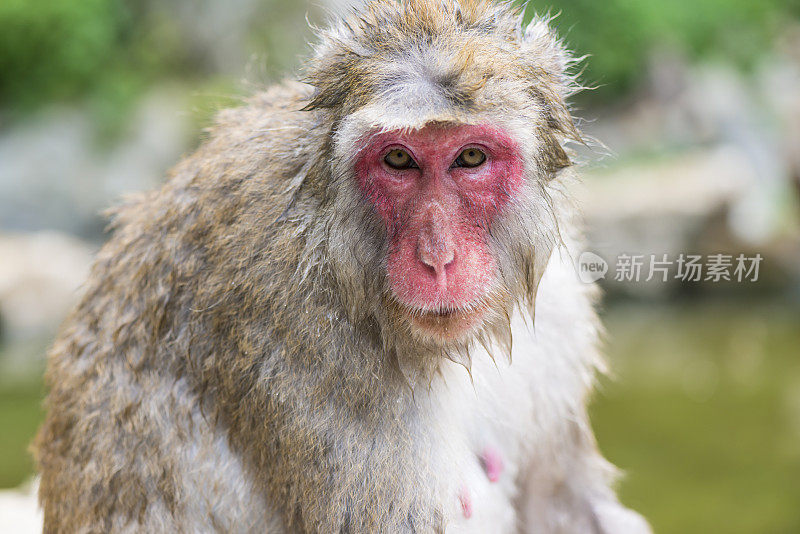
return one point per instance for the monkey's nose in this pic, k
(435, 244)
(437, 259)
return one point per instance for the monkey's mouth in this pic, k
(443, 314)
(444, 324)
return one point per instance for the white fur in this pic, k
(527, 410)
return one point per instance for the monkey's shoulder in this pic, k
(277, 113)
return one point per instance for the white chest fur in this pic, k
(505, 430)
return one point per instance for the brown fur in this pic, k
(250, 286)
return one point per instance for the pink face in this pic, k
(438, 190)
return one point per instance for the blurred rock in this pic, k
(20, 510)
(712, 106)
(705, 160)
(40, 274)
(212, 32)
(681, 204)
(659, 207)
(53, 175)
(691, 184)
(779, 79)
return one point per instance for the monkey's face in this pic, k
(447, 123)
(437, 191)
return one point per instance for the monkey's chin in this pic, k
(447, 326)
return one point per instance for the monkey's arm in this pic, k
(573, 494)
(565, 484)
(129, 450)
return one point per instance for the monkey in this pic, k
(352, 309)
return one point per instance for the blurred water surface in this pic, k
(704, 415)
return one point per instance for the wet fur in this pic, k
(235, 365)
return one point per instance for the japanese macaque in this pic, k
(324, 320)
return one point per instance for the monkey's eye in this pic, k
(399, 159)
(471, 157)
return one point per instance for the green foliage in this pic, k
(619, 35)
(53, 49)
(109, 51)
(103, 51)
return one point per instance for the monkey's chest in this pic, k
(481, 425)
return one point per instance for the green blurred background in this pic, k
(697, 103)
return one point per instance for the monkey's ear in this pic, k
(547, 54)
(549, 65)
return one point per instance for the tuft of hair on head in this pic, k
(447, 60)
